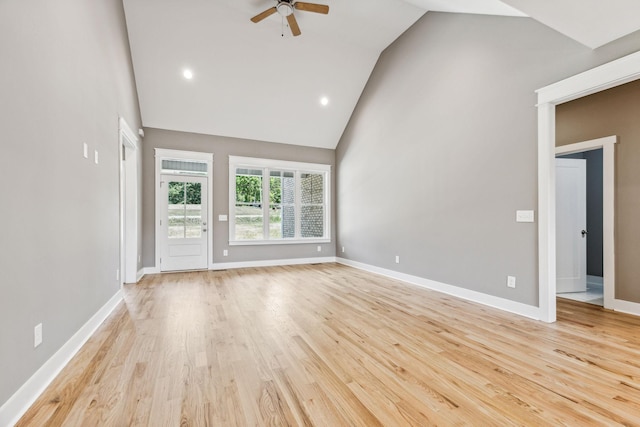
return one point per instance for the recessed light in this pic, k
(324, 101)
(188, 74)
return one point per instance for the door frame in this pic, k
(608, 207)
(169, 154)
(612, 74)
(129, 167)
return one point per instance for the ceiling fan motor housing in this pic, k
(284, 8)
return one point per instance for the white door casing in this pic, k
(128, 203)
(571, 225)
(606, 76)
(162, 154)
(184, 226)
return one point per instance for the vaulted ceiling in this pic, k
(257, 81)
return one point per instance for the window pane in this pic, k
(248, 213)
(275, 222)
(249, 186)
(176, 210)
(288, 222)
(185, 210)
(184, 166)
(281, 198)
(312, 186)
(249, 222)
(193, 220)
(312, 221)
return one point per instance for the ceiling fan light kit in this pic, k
(286, 8)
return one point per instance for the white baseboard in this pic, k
(521, 309)
(150, 270)
(140, 275)
(14, 408)
(270, 263)
(249, 264)
(626, 307)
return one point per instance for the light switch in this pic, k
(222, 217)
(524, 216)
(85, 150)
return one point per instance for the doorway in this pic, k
(184, 223)
(579, 226)
(606, 76)
(183, 210)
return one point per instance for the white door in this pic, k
(571, 225)
(183, 223)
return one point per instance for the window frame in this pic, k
(268, 165)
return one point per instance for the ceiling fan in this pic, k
(286, 7)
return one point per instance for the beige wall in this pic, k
(614, 112)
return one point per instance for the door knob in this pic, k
(584, 233)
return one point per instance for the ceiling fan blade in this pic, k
(311, 7)
(293, 24)
(259, 17)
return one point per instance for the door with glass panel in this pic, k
(184, 223)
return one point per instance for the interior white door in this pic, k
(183, 223)
(571, 225)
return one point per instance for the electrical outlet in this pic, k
(319, 248)
(85, 150)
(343, 249)
(225, 252)
(511, 281)
(117, 274)
(397, 259)
(139, 258)
(96, 158)
(37, 335)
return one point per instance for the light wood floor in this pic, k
(327, 345)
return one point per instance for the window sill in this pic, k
(277, 242)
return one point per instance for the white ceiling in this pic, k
(251, 82)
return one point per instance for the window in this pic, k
(278, 202)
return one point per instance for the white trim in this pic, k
(270, 263)
(150, 270)
(608, 209)
(277, 242)
(166, 154)
(546, 213)
(606, 76)
(14, 408)
(615, 73)
(580, 147)
(626, 307)
(277, 164)
(514, 307)
(129, 211)
(140, 275)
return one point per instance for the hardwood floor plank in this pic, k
(328, 345)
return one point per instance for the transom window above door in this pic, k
(275, 202)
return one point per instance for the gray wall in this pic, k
(66, 76)
(442, 150)
(594, 208)
(222, 147)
